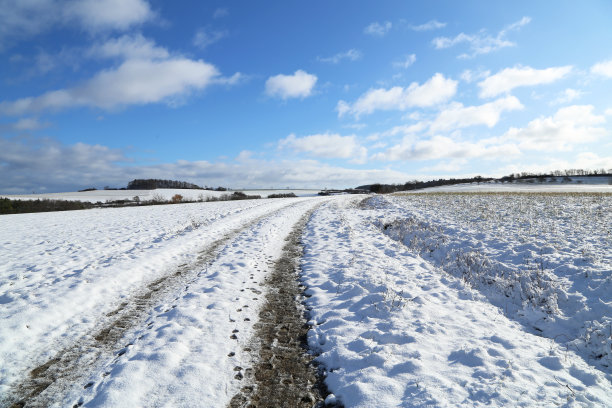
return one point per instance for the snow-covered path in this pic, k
(393, 330)
(98, 265)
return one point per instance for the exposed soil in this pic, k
(284, 373)
(43, 384)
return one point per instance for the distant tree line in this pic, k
(8, 206)
(417, 185)
(152, 184)
(558, 173)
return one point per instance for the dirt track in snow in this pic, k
(284, 373)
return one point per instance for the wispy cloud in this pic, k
(430, 25)
(378, 29)
(509, 78)
(221, 12)
(327, 145)
(406, 62)
(481, 42)
(350, 55)
(567, 96)
(205, 37)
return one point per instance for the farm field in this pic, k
(411, 300)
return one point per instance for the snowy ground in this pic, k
(601, 184)
(148, 195)
(394, 329)
(419, 300)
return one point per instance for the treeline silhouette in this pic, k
(417, 185)
(565, 176)
(152, 184)
(8, 206)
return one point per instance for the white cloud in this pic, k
(147, 74)
(567, 96)
(29, 124)
(134, 82)
(436, 90)
(450, 166)
(584, 160)
(481, 42)
(470, 76)
(457, 116)
(430, 25)
(221, 12)
(569, 126)
(129, 47)
(107, 14)
(603, 68)
(351, 55)
(22, 19)
(60, 167)
(509, 78)
(204, 37)
(406, 62)
(378, 29)
(442, 147)
(327, 145)
(298, 85)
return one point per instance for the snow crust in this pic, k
(394, 329)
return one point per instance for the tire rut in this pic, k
(70, 365)
(284, 373)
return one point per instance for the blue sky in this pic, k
(299, 94)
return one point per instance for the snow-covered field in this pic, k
(601, 184)
(416, 300)
(148, 195)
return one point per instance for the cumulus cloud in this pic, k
(205, 37)
(442, 147)
(509, 78)
(378, 29)
(60, 167)
(406, 62)
(436, 90)
(327, 145)
(107, 14)
(298, 85)
(481, 42)
(457, 116)
(430, 25)
(128, 47)
(603, 68)
(568, 127)
(350, 55)
(23, 19)
(147, 74)
(134, 82)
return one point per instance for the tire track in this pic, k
(59, 374)
(284, 373)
